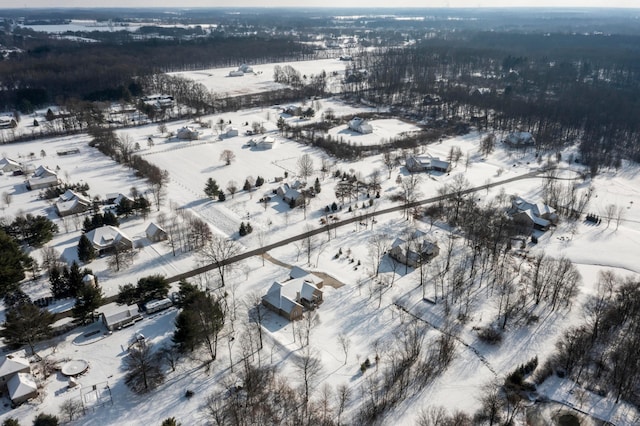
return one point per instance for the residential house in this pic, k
(360, 125)
(519, 140)
(245, 69)
(115, 317)
(8, 123)
(292, 110)
(7, 165)
(290, 298)
(290, 194)
(426, 163)
(108, 238)
(236, 73)
(417, 249)
(155, 233)
(529, 216)
(43, 177)
(11, 365)
(22, 387)
(159, 101)
(72, 202)
(231, 131)
(188, 133)
(263, 142)
(116, 198)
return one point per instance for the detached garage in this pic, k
(22, 387)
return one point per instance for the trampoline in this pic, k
(74, 367)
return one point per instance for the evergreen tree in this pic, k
(243, 230)
(45, 420)
(26, 324)
(249, 228)
(142, 206)
(211, 188)
(87, 302)
(75, 282)
(12, 263)
(128, 294)
(221, 196)
(87, 225)
(152, 287)
(124, 207)
(10, 421)
(316, 186)
(259, 181)
(110, 219)
(86, 252)
(59, 285)
(185, 336)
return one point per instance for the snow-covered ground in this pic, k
(353, 309)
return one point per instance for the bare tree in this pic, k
(344, 344)
(309, 368)
(218, 251)
(389, 160)
(122, 257)
(70, 408)
(620, 213)
(227, 156)
(7, 198)
(378, 246)
(143, 368)
(343, 396)
(158, 186)
(305, 166)
(610, 213)
(232, 187)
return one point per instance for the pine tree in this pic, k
(25, 323)
(87, 302)
(249, 228)
(211, 188)
(243, 230)
(259, 181)
(86, 252)
(110, 219)
(75, 282)
(316, 186)
(185, 336)
(59, 285)
(221, 196)
(247, 185)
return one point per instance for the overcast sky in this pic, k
(318, 3)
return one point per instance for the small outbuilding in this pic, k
(11, 365)
(155, 233)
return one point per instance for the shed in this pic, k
(155, 233)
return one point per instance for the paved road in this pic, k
(331, 226)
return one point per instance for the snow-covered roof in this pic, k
(153, 228)
(519, 138)
(297, 272)
(108, 236)
(43, 171)
(114, 314)
(21, 385)
(276, 298)
(7, 164)
(13, 364)
(360, 125)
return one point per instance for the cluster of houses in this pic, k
(16, 379)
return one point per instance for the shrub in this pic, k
(490, 335)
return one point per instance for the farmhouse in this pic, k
(414, 251)
(427, 163)
(155, 233)
(43, 177)
(72, 203)
(116, 317)
(532, 215)
(7, 165)
(289, 299)
(519, 140)
(108, 238)
(188, 133)
(360, 125)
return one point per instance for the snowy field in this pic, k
(354, 309)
